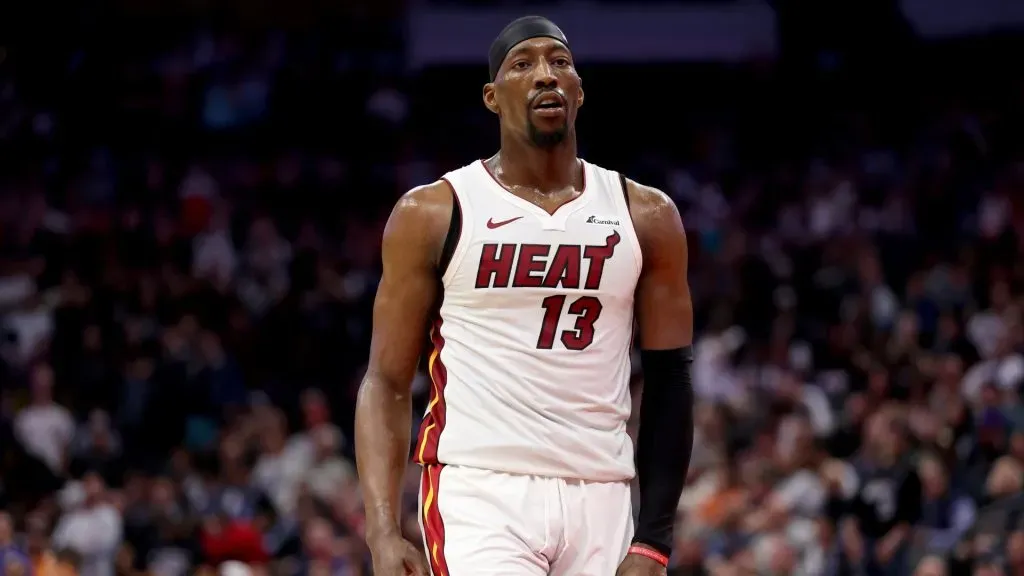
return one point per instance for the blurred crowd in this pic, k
(189, 252)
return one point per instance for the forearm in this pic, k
(664, 443)
(382, 450)
(897, 534)
(850, 536)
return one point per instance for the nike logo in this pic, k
(492, 224)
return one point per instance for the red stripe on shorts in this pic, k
(433, 524)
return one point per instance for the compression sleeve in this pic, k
(664, 443)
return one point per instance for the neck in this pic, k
(546, 169)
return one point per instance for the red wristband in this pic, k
(647, 552)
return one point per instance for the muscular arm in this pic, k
(665, 320)
(413, 239)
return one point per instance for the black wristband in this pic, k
(664, 442)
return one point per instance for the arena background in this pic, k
(191, 202)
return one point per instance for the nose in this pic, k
(545, 76)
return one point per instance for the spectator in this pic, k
(329, 470)
(279, 470)
(97, 447)
(90, 526)
(224, 539)
(45, 429)
(876, 532)
(37, 546)
(214, 256)
(946, 516)
(264, 277)
(11, 558)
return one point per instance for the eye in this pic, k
(562, 61)
(521, 65)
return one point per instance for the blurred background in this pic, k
(191, 202)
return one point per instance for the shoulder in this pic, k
(424, 204)
(421, 217)
(655, 216)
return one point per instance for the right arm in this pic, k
(412, 245)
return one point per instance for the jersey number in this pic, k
(587, 309)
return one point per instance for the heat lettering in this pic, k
(564, 270)
(541, 265)
(597, 256)
(495, 265)
(530, 262)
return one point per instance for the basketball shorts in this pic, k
(482, 523)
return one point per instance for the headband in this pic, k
(518, 31)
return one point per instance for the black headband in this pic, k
(519, 30)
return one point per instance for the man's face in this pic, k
(881, 436)
(537, 92)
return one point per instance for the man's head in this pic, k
(534, 87)
(95, 488)
(884, 436)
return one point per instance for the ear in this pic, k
(579, 97)
(491, 98)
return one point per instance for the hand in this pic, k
(638, 565)
(885, 550)
(396, 556)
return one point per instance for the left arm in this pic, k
(665, 320)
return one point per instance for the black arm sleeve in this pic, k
(664, 443)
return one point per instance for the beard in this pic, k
(546, 139)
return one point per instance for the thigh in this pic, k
(481, 523)
(598, 528)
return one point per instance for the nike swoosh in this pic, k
(492, 224)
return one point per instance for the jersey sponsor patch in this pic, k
(604, 221)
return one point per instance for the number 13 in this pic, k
(587, 310)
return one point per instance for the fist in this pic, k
(396, 556)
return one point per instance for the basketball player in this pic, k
(539, 262)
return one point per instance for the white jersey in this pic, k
(530, 367)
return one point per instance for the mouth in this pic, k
(549, 104)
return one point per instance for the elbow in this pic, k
(369, 391)
(378, 389)
(381, 402)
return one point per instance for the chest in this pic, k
(512, 250)
(45, 424)
(584, 252)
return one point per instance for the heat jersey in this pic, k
(530, 367)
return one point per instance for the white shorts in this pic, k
(482, 523)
